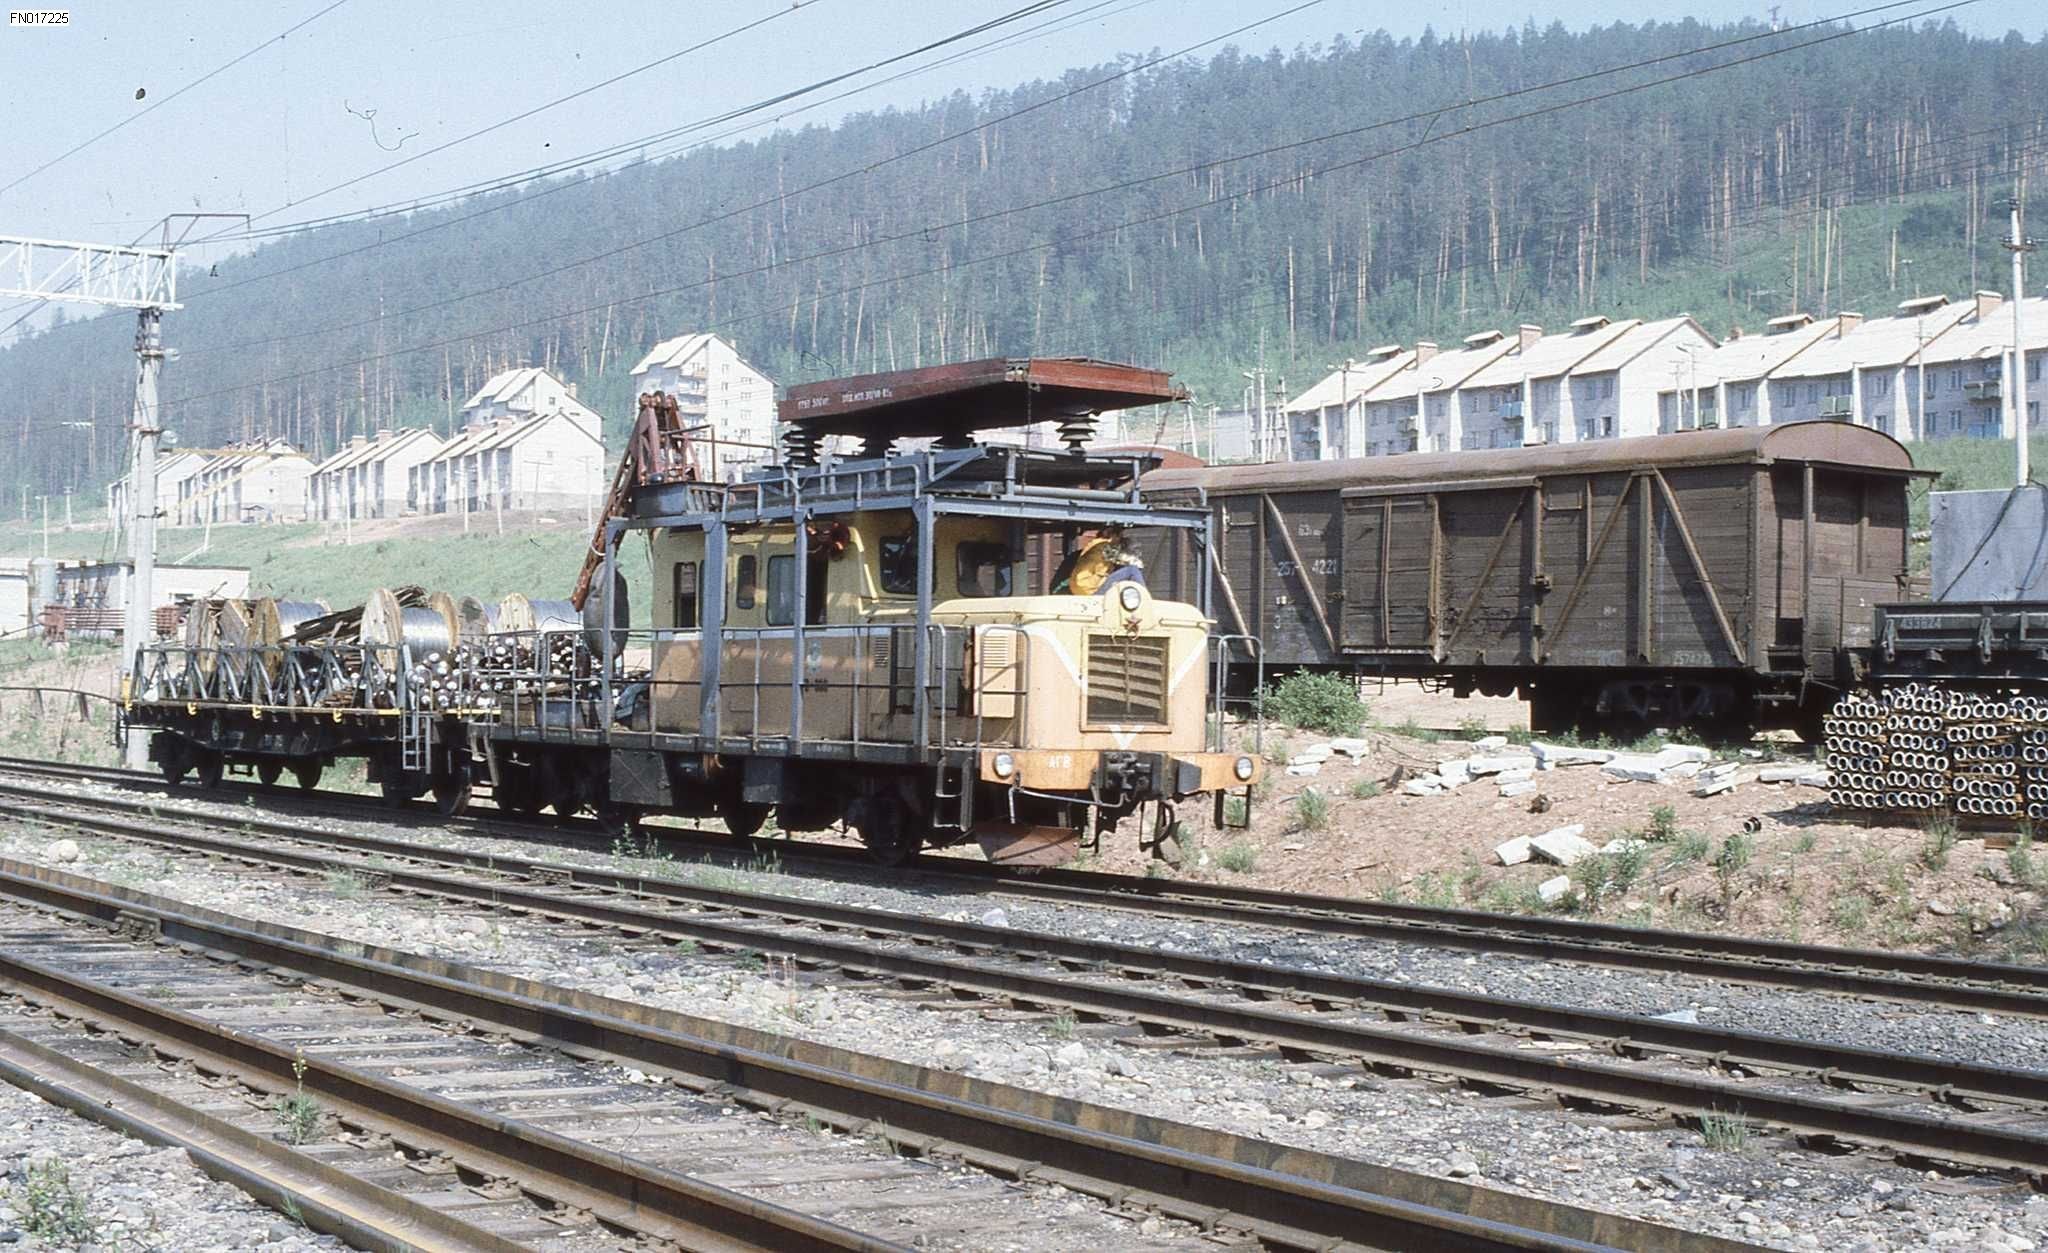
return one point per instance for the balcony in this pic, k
(1984, 389)
(1511, 410)
(1837, 406)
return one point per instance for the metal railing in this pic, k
(309, 676)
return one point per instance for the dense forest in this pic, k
(1316, 202)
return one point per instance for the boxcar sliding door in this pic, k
(1389, 561)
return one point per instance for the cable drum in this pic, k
(520, 613)
(426, 631)
(202, 633)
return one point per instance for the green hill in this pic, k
(1323, 200)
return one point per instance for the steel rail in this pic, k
(325, 1198)
(1979, 1144)
(1913, 978)
(1266, 1190)
(634, 1194)
(1941, 1079)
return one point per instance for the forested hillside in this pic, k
(1334, 198)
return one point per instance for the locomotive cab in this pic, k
(1052, 717)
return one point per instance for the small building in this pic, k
(371, 478)
(718, 391)
(257, 482)
(94, 594)
(1863, 373)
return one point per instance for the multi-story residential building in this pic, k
(1865, 371)
(371, 478)
(1411, 409)
(1969, 384)
(717, 390)
(1522, 398)
(1726, 386)
(1613, 392)
(526, 443)
(257, 482)
(1327, 421)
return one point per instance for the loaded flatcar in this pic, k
(1719, 579)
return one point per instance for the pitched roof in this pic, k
(506, 434)
(1341, 385)
(503, 385)
(373, 450)
(1639, 338)
(1754, 356)
(1891, 341)
(673, 352)
(1549, 356)
(1990, 336)
(1444, 370)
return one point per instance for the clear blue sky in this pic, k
(265, 135)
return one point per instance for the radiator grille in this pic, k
(1127, 678)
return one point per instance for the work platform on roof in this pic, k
(951, 402)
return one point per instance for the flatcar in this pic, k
(830, 640)
(1719, 579)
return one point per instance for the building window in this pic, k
(2033, 413)
(1955, 380)
(1812, 392)
(685, 596)
(1955, 420)
(2034, 368)
(1607, 387)
(745, 586)
(1880, 386)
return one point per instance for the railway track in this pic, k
(1912, 978)
(1918, 1107)
(463, 1091)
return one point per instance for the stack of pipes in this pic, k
(1922, 749)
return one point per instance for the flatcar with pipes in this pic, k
(837, 639)
(1719, 579)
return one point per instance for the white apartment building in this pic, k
(258, 482)
(718, 390)
(1327, 421)
(172, 470)
(371, 478)
(1725, 386)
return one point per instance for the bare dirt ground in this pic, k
(1805, 873)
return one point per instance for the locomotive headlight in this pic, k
(1130, 597)
(1005, 765)
(1242, 768)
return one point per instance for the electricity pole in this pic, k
(116, 277)
(2019, 245)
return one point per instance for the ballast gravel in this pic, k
(1765, 1190)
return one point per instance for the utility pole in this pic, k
(2019, 245)
(117, 277)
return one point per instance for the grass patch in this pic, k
(1737, 851)
(1663, 826)
(1061, 1025)
(1724, 1132)
(1365, 789)
(1238, 857)
(1311, 811)
(51, 1207)
(1236, 811)
(1687, 849)
(1327, 704)
(347, 884)
(2020, 865)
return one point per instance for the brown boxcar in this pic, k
(1712, 578)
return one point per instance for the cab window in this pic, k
(899, 565)
(982, 568)
(781, 591)
(685, 596)
(745, 584)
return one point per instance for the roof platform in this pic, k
(949, 403)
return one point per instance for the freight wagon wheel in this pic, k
(892, 832)
(268, 772)
(400, 786)
(307, 773)
(517, 791)
(209, 768)
(615, 820)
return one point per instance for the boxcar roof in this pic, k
(1827, 443)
